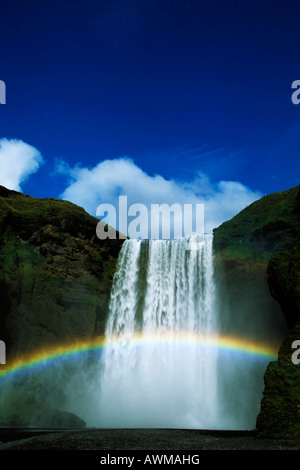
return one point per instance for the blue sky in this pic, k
(185, 89)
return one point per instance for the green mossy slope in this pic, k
(55, 274)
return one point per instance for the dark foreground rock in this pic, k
(59, 419)
(148, 439)
(43, 418)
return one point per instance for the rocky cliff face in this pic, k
(55, 274)
(280, 407)
(258, 257)
(55, 281)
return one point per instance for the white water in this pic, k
(163, 298)
(161, 288)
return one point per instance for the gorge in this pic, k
(55, 283)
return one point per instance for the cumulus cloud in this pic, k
(18, 160)
(104, 183)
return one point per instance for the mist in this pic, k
(155, 370)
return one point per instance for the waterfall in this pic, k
(183, 349)
(157, 370)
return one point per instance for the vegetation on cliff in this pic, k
(55, 275)
(55, 281)
(258, 255)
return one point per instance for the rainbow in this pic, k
(57, 354)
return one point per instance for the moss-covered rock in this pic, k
(55, 274)
(257, 256)
(55, 282)
(266, 227)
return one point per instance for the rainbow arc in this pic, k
(54, 355)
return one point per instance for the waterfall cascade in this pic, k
(158, 370)
(162, 297)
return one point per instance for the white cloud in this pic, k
(18, 160)
(110, 178)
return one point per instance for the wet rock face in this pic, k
(284, 282)
(280, 407)
(55, 274)
(260, 247)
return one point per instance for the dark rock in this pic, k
(280, 407)
(284, 282)
(43, 418)
(53, 418)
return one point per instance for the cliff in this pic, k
(55, 274)
(55, 281)
(258, 258)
